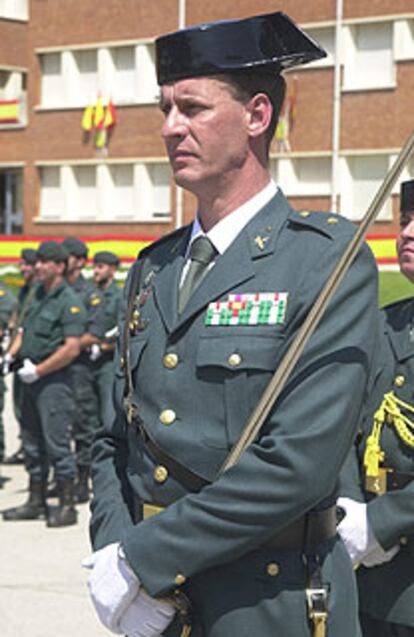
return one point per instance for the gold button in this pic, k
(332, 220)
(167, 416)
(304, 213)
(160, 473)
(403, 541)
(170, 360)
(399, 381)
(122, 362)
(272, 569)
(234, 360)
(180, 579)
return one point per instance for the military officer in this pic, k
(87, 420)
(210, 311)
(378, 479)
(27, 264)
(105, 265)
(7, 304)
(47, 344)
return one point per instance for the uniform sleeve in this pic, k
(294, 465)
(392, 516)
(112, 504)
(73, 317)
(96, 314)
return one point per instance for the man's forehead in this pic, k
(192, 87)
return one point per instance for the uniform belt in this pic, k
(398, 480)
(306, 533)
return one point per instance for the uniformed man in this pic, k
(105, 265)
(378, 479)
(27, 264)
(87, 420)
(7, 305)
(47, 344)
(211, 309)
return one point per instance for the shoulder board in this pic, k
(399, 307)
(331, 224)
(171, 237)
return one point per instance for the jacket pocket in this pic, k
(236, 369)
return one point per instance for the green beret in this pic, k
(52, 251)
(29, 255)
(75, 247)
(107, 257)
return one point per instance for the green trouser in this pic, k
(87, 409)
(2, 392)
(103, 370)
(372, 627)
(48, 412)
(17, 398)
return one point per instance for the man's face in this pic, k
(48, 272)
(204, 132)
(405, 245)
(103, 273)
(27, 270)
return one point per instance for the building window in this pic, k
(13, 98)
(361, 178)
(75, 78)
(404, 39)
(105, 192)
(303, 177)
(369, 57)
(325, 36)
(14, 9)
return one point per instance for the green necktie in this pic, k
(202, 252)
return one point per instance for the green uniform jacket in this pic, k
(92, 300)
(50, 319)
(387, 591)
(112, 296)
(210, 537)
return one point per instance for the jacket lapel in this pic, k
(237, 265)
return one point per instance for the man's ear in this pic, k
(259, 112)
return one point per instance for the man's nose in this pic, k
(174, 124)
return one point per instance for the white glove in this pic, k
(95, 352)
(379, 556)
(146, 616)
(355, 530)
(28, 373)
(112, 585)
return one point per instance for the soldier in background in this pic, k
(105, 265)
(27, 269)
(48, 342)
(7, 305)
(378, 479)
(81, 370)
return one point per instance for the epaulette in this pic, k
(163, 241)
(330, 224)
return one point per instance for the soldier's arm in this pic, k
(61, 358)
(391, 516)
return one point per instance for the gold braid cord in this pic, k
(389, 412)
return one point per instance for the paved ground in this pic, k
(42, 586)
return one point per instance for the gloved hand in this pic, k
(355, 530)
(379, 556)
(112, 585)
(146, 616)
(28, 372)
(95, 352)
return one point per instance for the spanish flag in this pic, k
(110, 115)
(9, 112)
(87, 118)
(99, 116)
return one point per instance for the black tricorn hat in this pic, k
(407, 196)
(52, 251)
(107, 257)
(271, 41)
(29, 255)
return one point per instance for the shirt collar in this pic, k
(223, 233)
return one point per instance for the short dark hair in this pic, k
(245, 84)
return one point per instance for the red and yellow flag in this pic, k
(87, 118)
(99, 115)
(110, 115)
